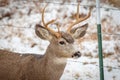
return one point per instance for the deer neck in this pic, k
(52, 58)
(54, 63)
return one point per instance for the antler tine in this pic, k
(57, 34)
(78, 20)
(77, 17)
(43, 16)
(46, 24)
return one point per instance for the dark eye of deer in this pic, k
(62, 42)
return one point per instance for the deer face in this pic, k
(65, 45)
(62, 43)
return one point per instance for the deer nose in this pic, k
(76, 54)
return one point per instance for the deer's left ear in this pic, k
(79, 31)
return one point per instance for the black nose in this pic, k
(76, 54)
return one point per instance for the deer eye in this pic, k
(62, 42)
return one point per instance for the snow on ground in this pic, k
(17, 21)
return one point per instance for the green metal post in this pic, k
(100, 52)
(99, 41)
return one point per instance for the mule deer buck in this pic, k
(14, 66)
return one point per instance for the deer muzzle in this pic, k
(76, 54)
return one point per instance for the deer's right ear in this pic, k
(42, 32)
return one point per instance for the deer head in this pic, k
(62, 43)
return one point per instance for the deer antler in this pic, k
(78, 20)
(57, 34)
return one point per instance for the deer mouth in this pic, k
(76, 55)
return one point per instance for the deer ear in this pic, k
(79, 31)
(42, 32)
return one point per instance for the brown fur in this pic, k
(28, 67)
(67, 37)
(16, 66)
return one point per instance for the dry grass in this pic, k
(116, 3)
(4, 3)
(76, 76)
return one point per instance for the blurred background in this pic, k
(19, 17)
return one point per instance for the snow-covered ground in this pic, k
(17, 21)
